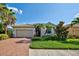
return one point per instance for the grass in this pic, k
(68, 44)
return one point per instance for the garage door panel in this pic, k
(24, 33)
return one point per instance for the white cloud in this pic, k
(19, 11)
(14, 9)
(77, 15)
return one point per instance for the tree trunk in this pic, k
(5, 29)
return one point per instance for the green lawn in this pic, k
(69, 44)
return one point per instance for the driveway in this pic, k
(14, 47)
(20, 47)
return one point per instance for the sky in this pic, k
(29, 13)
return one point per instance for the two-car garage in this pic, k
(23, 31)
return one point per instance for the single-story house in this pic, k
(27, 30)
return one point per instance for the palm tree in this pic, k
(61, 31)
(9, 19)
(75, 21)
(2, 6)
(7, 16)
(38, 27)
(49, 25)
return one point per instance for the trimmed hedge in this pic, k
(37, 38)
(46, 37)
(3, 36)
(49, 37)
(73, 36)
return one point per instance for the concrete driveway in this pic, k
(14, 47)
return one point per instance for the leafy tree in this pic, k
(7, 16)
(61, 31)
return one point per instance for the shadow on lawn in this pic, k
(72, 42)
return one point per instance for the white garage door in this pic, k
(24, 33)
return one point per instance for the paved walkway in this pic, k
(14, 47)
(51, 52)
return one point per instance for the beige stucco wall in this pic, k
(43, 31)
(74, 31)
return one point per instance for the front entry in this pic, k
(38, 31)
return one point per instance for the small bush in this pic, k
(50, 37)
(45, 37)
(37, 38)
(3, 36)
(73, 36)
(10, 32)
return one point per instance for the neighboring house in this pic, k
(74, 30)
(27, 30)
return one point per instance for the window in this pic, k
(48, 31)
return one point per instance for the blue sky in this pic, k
(43, 13)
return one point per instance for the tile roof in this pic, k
(23, 26)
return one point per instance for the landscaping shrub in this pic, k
(45, 37)
(3, 36)
(49, 37)
(73, 36)
(10, 32)
(37, 38)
